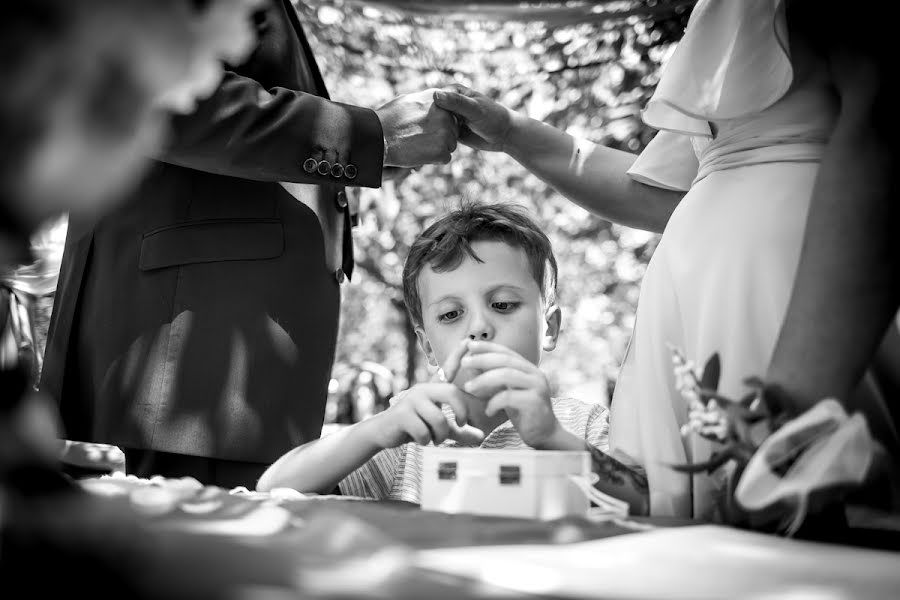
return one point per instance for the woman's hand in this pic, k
(510, 382)
(484, 124)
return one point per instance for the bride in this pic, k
(746, 107)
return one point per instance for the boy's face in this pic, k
(496, 300)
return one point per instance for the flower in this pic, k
(778, 470)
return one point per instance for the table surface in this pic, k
(348, 547)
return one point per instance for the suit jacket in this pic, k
(200, 316)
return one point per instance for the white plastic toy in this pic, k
(535, 484)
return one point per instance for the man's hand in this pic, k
(510, 382)
(395, 174)
(416, 132)
(485, 124)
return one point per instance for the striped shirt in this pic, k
(396, 473)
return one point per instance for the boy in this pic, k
(480, 286)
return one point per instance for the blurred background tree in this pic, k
(590, 77)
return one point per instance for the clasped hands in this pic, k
(425, 127)
(502, 380)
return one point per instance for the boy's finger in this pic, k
(503, 400)
(452, 362)
(497, 360)
(479, 347)
(456, 398)
(440, 430)
(490, 382)
(416, 429)
(447, 393)
(433, 417)
(398, 397)
(467, 435)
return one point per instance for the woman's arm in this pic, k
(621, 481)
(846, 291)
(628, 483)
(588, 174)
(318, 466)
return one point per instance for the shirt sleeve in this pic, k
(376, 477)
(597, 430)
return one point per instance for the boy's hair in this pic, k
(445, 244)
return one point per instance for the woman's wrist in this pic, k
(511, 140)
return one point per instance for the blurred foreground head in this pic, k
(87, 90)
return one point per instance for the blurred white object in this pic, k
(822, 448)
(679, 563)
(534, 484)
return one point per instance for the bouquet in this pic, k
(779, 470)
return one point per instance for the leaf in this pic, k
(716, 460)
(711, 372)
(747, 400)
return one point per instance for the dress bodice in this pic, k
(735, 93)
(795, 128)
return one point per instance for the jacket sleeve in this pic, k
(244, 130)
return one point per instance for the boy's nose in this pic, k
(480, 329)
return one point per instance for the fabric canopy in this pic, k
(552, 12)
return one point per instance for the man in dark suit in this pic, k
(195, 324)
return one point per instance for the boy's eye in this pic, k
(505, 306)
(448, 316)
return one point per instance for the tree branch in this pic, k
(369, 265)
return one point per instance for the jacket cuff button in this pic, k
(324, 167)
(310, 165)
(337, 170)
(350, 171)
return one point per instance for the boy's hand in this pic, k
(510, 382)
(415, 414)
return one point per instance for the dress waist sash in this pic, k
(731, 155)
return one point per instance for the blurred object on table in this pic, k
(88, 459)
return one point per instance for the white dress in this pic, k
(721, 277)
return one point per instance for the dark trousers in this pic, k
(209, 471)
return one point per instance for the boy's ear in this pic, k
(552, 322)
(425, 345)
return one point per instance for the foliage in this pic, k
(736, 427)
(590, 79)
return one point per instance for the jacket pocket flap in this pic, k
(211, 241)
